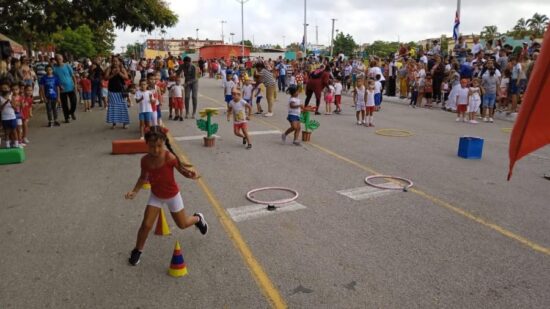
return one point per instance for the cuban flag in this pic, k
(455, 28)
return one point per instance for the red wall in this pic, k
(226, 51)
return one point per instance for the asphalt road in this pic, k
(462, 237)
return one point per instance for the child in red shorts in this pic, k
(462, 100)
(176, 93)
(240, 109)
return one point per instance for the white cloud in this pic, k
(267, 21)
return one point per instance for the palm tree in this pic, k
(520, 29)
(489, 32)
(537, 24)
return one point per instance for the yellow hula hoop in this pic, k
(394, 132)
(506, 130)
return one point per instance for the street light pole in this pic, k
(223, 22)
(197, 39)
(231, 34)
(332, 38)
(305, 28)
(242, 2)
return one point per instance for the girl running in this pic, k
(359, 99)
(157, 168)
(294, 111)
(329, 98)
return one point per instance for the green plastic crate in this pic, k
(12, 156)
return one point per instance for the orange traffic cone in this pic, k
(178, 268)
(162, 228)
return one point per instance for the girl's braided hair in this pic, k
(156, 133)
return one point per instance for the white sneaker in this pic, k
(359, 123)
(485, 119)
(457, 119)
(474, 122)
(491, 120)
(26, 140)
(268, 114)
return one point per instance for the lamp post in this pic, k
(332, 38)
(197, 34)
(305, 28)
(223, 22)
(232, 34)
(242, 2)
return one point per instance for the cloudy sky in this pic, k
(267, 21)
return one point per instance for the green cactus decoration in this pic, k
(309, 124)
(207, 125)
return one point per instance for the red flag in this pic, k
(532, 128)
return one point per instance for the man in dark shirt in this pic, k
(191, 84)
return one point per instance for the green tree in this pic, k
(77, 43)
(294, 47)
(520, 29)
(277, 47)
(537, 24)
(489, 32)
(382, 48)
(34, 20)
(344, 44)
(104, 38)
(133, 49)
(246, 43)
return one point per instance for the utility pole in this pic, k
(242, 2)
(332, 38)
(223, 22)
(317, 35)
(197, 39)
(305, 28)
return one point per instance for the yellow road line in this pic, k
(495, 227)
(258, 273)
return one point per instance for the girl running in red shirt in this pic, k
(157, 167)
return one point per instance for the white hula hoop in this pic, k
(404, 188)
(277, 202)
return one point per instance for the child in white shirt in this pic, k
(228, 86)
(240, 109)
(359, 98)
(461, 99)
(247, 93)
(294, 112)
(176, 93)
(144, 98)
(338, 96)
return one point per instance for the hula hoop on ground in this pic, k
(394, 132)
(277, 202)
(404, 188)
(506, 130)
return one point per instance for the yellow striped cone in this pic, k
(162, 228)
(177, 268)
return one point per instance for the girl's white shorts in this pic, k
(175, 204)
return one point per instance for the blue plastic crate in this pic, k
(470, 147)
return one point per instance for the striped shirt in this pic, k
(267, 78)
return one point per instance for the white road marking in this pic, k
(243, 213)
(362, 193)
(192, 138)
(264, 132)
